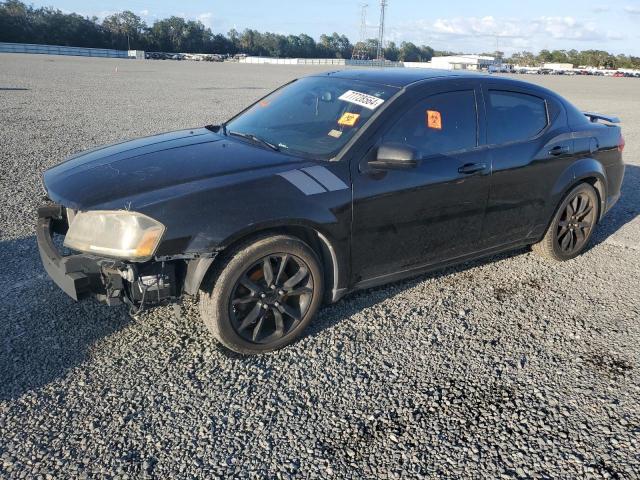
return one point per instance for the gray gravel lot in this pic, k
(511, 367)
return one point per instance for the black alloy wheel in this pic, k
(271, 298)
(576, 223)
(262, 294)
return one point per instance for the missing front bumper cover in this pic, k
(109, 281)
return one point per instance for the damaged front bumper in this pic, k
(109, 281)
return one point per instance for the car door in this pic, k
(408, 218)
(529, 144)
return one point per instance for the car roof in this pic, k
(399, 77)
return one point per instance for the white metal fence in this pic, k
(61, 50)
(292, 61)
(318, 61)
(109, 53)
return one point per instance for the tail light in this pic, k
(621, 144)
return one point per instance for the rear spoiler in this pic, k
(594, 117)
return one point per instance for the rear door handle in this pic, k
(471, 168)
(559, 150)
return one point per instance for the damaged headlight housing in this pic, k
(119, 234)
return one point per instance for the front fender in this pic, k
(202, 222)
(333, 253)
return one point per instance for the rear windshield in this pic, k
(313, 116)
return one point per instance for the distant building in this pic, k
(558, 66)
(137, 54)
(457, 62)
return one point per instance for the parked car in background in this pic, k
(333, 183)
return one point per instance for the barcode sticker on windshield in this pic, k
(362, 99)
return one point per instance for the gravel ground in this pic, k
(512, 367)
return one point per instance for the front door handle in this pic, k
(559, 150)
(471, 168)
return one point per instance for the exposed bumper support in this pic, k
(71, 274)
(109, 281)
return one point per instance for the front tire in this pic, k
(263, 294)
(572, 226)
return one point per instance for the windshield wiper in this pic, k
(255, 138)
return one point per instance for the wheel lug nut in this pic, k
(277, 304)
(280, 292)
(263, 295)
(265, 306)
(273, 287)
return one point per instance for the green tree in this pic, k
(426, 53)
(16, 22)
(545, 56)
(126, 27)
(22, 23)
(392, 52)
(409, 52)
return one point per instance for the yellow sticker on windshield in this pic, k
(349, 119)
(434, 119)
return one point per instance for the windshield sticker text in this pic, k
(362, 99)
(335, 133)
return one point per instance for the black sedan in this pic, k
(332, 183)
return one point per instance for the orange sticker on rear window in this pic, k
(349, 119)
(434, 119)
(264, 103)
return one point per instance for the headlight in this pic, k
(119, 234)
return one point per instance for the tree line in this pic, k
(21, 23)
(587, 58)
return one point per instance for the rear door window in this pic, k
(442, 123)
(514, 116)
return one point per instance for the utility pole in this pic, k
(360, 50)
(363, 23)
(383, 6)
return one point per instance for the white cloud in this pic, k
(482, 33)
(601, 8)
(632, 10)
(105, 13)
(616, 36)
(566, 28)
(144, 13)
(206, 18)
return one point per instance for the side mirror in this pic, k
(394, 156)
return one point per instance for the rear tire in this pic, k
(572, 225)
(263, 294)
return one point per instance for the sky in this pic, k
(466, 26)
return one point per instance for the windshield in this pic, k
(313, 116)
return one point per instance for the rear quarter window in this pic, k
(515, 116)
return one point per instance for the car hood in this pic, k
(117, 172)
